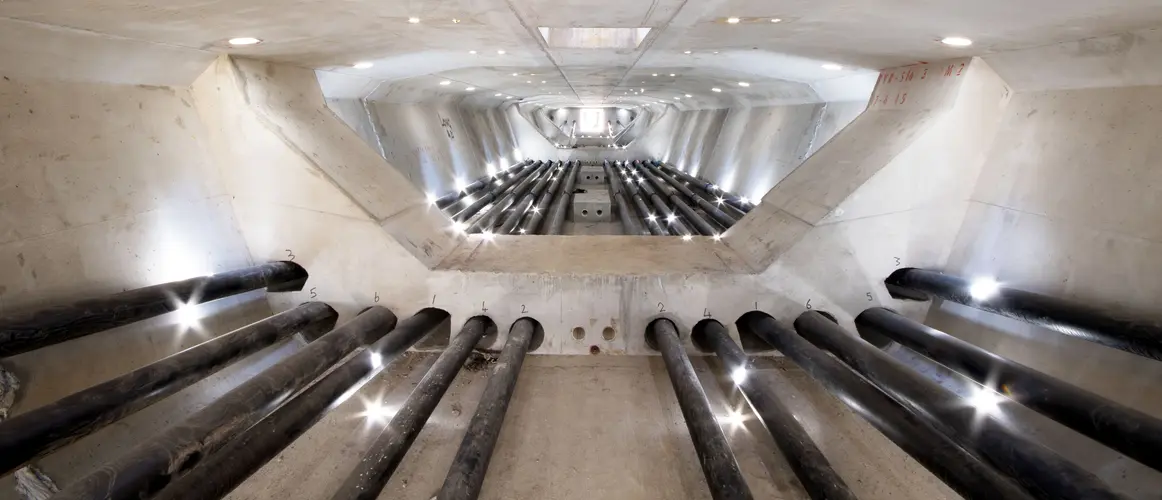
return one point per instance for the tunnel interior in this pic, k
(573, 250)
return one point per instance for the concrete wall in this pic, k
(109, 187)
(436, 143)
(745, 150)
(1066, 206)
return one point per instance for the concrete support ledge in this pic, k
(595, 255)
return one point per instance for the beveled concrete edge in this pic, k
(660, 251)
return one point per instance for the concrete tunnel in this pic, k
(578, 250)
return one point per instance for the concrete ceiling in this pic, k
(782, 61)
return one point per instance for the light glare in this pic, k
(738, 375)
(716, 89)
(188, 315)
(687, 237)
(733, 417)
(832, 67)
(986, 401)
(733, 20)
(488, 235)
(376, 411)
(376, 360)
(244, 40)
(956, 41)
(983, 289)
(414, 20)
(363, 65)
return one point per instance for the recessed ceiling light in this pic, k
(528, 81)
(473, 52)
(716, 89)
(455, 21)
(956, 41)
(516, 74)
(688, 96)
(445, 82)
(832, 67)
(362, 65)
(687, 52)
(776, 20)
(470, 89)
(414, 20)
(655, 74)
(497, 95)
(501, 52)
(245, 40)
(743, 84)
(733, 20)
(542, 81)
(672, 75)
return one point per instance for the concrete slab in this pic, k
(625, 438)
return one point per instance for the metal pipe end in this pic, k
(289, 277)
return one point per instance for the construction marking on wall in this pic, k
(919, 86)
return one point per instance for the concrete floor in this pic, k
(584, 427)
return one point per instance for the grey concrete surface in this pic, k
(583, 427)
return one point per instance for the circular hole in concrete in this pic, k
(599, 212)
(608, 333)
(584, 212)
(579, 333)
(871, 336)
(751, 342)
(698, 334)
(538, 334)
(488, 341)
(594, 350)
